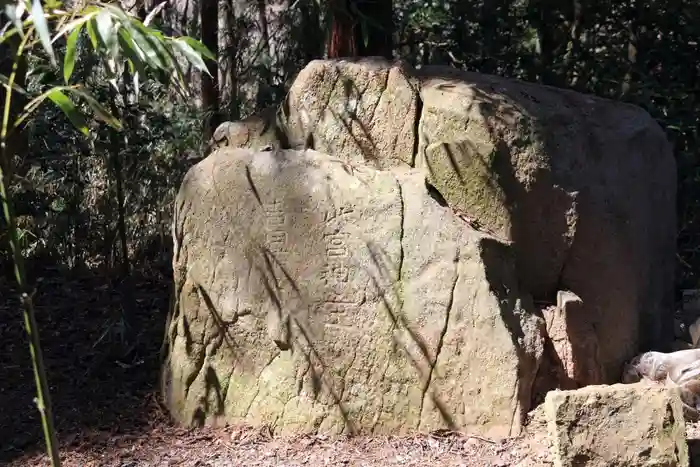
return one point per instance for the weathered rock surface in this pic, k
(621, 425)
(362, 112)
(573, 340)
(584, 187)
(255, 132)
(314, 296)
(574, 200)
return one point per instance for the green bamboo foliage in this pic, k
(119, 40)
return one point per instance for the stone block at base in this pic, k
(628, 425)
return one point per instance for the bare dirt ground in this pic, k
(255, 448)
(107, 413)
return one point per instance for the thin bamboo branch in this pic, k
(43, 399)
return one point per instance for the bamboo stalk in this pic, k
(43, 399)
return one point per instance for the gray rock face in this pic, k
(584, 187)
(617, 426)
(329, 291)
(314, 296)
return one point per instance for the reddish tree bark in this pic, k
(352, 20)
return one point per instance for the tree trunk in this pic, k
(361, 28)
(342, 34)
(312, 39)
(229, 108)
(209, 10)
(264, 94)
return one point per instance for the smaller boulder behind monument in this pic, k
(362, 111)
(258, 131)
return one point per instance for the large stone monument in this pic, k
(396, 250)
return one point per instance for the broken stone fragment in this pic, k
(574, 340)
(258, 131)
(630, 425)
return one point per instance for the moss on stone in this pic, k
(463, 174)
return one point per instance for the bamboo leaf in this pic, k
(134, 59)
(151, 55)
(90, 26)
(100, 111)
(129, 46)
(5, 27)
(9, 33)
(5, 82)
(135, 85)
(160, 43)
(192, 56)
(153, 13)
(64, 103)
(118, 13)
(32, 105)
(69, 59)
(133, 54)
(42, 29)
(107, 32)
(198, 46)
(165, 44)
(79, 22)
(14, 12)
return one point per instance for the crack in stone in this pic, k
(269, 362)
(401, 233)
(227, 383)
(199, 364)
(178, 236)
(416, 128)
(325, 108)
(516, 406)
(217, 265)
(300, 384)
(173, 320)
(257, 386)
(443, 332)
(205, 326)
(343, 379)
(280, 417)
(216, 340)
(252, 401)
(384, 393)
(381, 95)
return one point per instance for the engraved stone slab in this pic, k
(314, 296)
